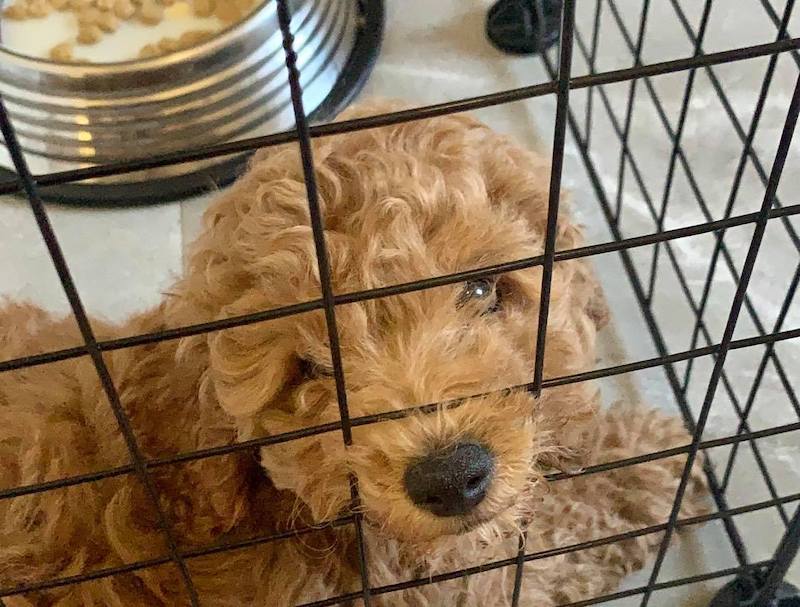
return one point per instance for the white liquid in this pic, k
(35, 37)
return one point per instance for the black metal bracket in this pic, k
(745, 590)
(767, 588)
(524, 27)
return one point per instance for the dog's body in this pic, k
(401, 203)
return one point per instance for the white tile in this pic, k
(121, 259)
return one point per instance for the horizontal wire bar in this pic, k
(703, 577)
(671, 358)
(45, 358)
(399, 289)
(250, 542)
(346, 598)
(430, 111)
(402, 413)
(588, 545)
(548, 383)
(683, 449)
(158, 561)
(62, 483)
(164, 335)
(255, 541)
(82, 578)
(552, 552)
(84, 326)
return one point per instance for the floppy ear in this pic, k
(255, 254)
(519, 180)
(249, 367)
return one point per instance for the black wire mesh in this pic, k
(644, 281)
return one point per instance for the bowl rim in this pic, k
(79, 193)
(12, 60)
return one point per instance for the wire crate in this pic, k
(695, 317)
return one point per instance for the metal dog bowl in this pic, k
(234, 86)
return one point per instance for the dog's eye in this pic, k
(481, 291)
(311, 369)
(478, 289)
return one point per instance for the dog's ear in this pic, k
(518, 181)
(255, 254)
(250, 365)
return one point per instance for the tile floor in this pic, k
(122, 259)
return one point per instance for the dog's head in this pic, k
(400, 203)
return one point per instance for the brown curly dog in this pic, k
(439, 491)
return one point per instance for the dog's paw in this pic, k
(648, 489)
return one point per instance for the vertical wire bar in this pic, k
(676, 145)
(737, 179)
(720, 248)
(626, 129)
(737, 544)
(556, 169)
(682, 157)
(679, 390)
(592, 61)
(784, 556)
(773, 15)
(730, 327)
(762, 365)
(85, 327)
(682, 279)
(740, 132)
(326, 282)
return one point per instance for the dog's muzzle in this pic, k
(452, 482)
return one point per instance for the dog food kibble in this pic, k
(124, 9)
(193, 37)
(96, 18)
(61, 52)
(148, 51)
(89, 34)
(204, 8)
(150, 13)
(107, 22)
(39, 8)
(168, 45)
(228, 12)
(88, 16)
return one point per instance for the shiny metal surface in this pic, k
(234, 86)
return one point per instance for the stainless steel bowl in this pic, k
(233, 86)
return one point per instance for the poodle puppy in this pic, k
(438, 491)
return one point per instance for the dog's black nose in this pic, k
(452, 482)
